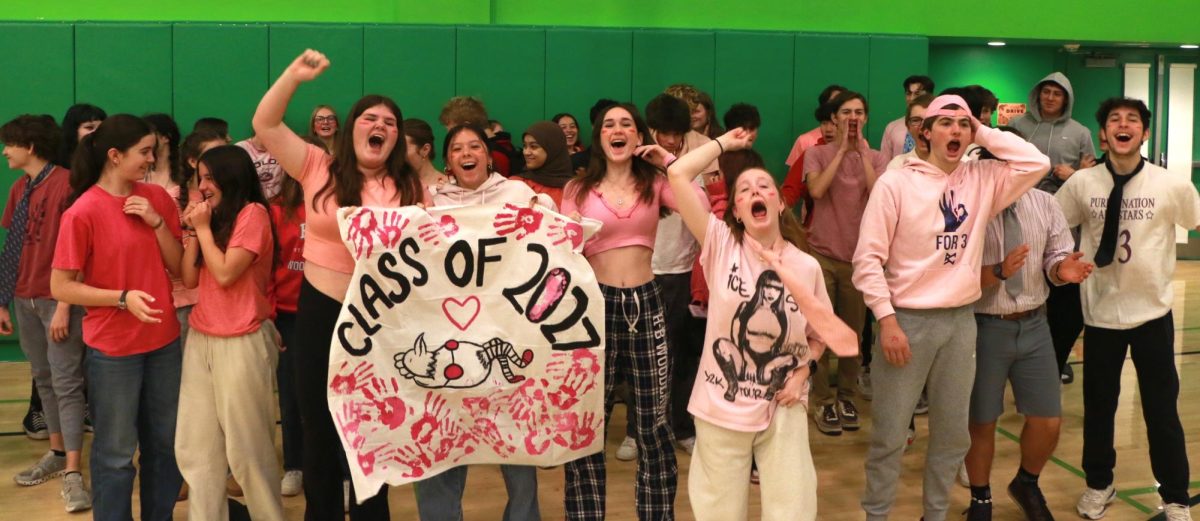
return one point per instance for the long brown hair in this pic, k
(346, 180)
(738, 163)
(121, 131)
(644, 173)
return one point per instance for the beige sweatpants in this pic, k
(227, 421)
(719, 478)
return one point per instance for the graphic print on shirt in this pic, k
(1132, 209)
(756, 359)
(954, 215)
(459, 364)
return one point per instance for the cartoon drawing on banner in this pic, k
(756, 351)
(468, 335)
(460, 364)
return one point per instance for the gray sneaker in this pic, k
(46, 469)
(75, 495)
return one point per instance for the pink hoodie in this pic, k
(921, 241)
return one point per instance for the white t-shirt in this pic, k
(270, 173)
(1136, 287)
(675, 249)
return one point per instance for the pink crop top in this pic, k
(323, 244)
(635, 226)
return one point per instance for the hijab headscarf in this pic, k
(556, 171)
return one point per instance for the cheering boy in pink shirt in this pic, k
(917, 264)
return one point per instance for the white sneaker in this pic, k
(688, 444)
(1177, 512)
(1093, 504)
(293, 483)
(74, 493)
(628, 449)
(963, 479)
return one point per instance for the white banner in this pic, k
(468, 335)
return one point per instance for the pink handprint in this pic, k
(576, 380)
(392, 228)
(538, 439)
(562, 231)
(366, 460)
(522, 220)
(527, 402)
(432, 232)
(435, 411)
(350, 422)
(574, 432)
(345, 384)
(412, 458)
(487, 432)
(392, 410)
(362, 229)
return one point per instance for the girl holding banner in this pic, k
(369, 170)
(467, 160)
(769, 317)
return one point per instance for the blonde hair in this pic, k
(685, 92)
(464, 110)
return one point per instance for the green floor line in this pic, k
(1067, 466)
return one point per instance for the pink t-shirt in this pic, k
(239, 308)
(634, 225)
(755, 335)
(323, 244)
(806, 141)
(118, 251)
(840, 211)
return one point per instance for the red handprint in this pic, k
(366, 460)
(578, 378)
(432, 232)
(392, 410)
(350, 422)
(527, 402)
(362, 230)
(452, 437)
(412, 458)
(345, 384)
(538, 439)
(392, 228)
(522, 220)
(435, 412)
(487, 432)
(490, 405)
(574, 432)
(562, 231)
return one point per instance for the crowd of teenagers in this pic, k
(163, 284)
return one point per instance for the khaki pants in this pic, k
(849, 305)
(719, 477)
(227, 421)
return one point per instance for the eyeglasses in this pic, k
(914, 121)
(325, 119)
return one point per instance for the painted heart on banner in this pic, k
(461, 312)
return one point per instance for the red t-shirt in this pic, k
(239, 309)
(118, 251)
(289, 268)
(555, 194)
(47, 203)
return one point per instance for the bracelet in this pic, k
(161, 221)
(121, 301)
(718, 141)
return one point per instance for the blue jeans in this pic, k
(134, 400)
(439, 498)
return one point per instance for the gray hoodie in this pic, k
(1063, 139)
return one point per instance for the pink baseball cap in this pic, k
(937, 108)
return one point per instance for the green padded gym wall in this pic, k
(340, 86)
(584, 65)
(219, 71)
(757, 68)
(124, 67)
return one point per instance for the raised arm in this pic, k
(280, 141)
(691, 204)
(1022, 165)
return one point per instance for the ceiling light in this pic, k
(1189, 46)
(996, 44)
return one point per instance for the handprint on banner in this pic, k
(350, 421)
(522, 220)
(432, 233)
(538, 439)
(411, 457)
(528, 402)
(366, 460)
(362, 230)
(487, 432)
(574, 379)
(392, 410)
(392, 229)
(435, 411)
(575, 432)
(562, 231)
(348, 384)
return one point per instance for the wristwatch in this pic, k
(998, 271)
(121, 301)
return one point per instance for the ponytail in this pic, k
(121, 131)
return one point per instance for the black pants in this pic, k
(1152, 347)
(686, 335)
(325, 463)
(1064, 312)
(289, 402)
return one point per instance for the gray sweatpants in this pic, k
(57, 367)
(943, 360)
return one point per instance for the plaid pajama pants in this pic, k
(635, 351)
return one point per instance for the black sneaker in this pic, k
(979, 510)
(827, 420)
(35, 425)
(849, 415)
(1068, 374)
(1030, 500)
